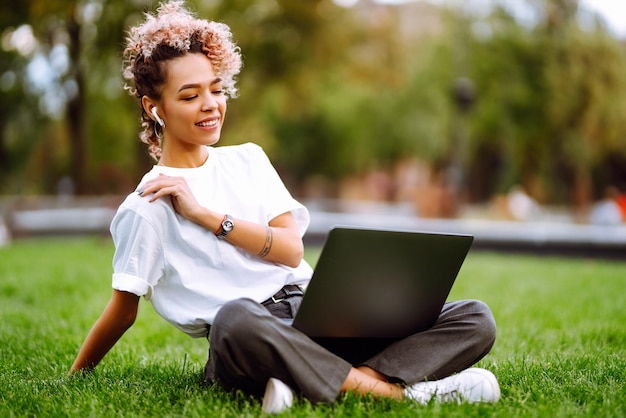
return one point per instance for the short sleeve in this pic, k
(138, 259)
(278, 199)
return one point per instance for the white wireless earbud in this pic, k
(157, 117)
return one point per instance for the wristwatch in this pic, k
(226, 227)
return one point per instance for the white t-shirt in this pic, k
(182, 268)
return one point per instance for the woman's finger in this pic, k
(156, 184)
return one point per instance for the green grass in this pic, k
(561, 348)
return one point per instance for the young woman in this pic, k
(213, 239)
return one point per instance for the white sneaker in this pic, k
(471, 385)
(278, 397)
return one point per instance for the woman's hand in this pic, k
(183, 200)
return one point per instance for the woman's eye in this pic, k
(189, 98)
(218, 92)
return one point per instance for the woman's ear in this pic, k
(150, 107)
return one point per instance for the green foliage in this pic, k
(332, 92)
(560, 351)
(549, 100)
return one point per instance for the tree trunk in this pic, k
(76, 112)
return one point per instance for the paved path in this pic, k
(534, 237)
(544, 237)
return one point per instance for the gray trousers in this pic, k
(248, 344)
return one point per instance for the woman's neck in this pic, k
(184, 160)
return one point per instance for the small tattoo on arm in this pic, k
(268, 242)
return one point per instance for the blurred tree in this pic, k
(290, 49)
(586, 79)
(330, 91)
(55, 24)
(117, 158)
(324, 87)
(76, 58)
(13, 152)
(551, 97)
(16, 46)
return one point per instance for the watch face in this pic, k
(227, 225)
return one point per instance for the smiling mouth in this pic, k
(208, 124)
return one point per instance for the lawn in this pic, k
(561, 348)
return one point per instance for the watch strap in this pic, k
(226, 226)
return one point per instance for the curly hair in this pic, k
(173, 32)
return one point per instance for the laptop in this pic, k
(373, 283)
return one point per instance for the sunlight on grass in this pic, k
(561, 348)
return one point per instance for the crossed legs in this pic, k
(248, 346)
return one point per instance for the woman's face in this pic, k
(193, 104)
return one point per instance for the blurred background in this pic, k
(498, 110)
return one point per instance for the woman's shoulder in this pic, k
(139, 207)
(247, 150)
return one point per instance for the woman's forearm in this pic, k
(281, 244)
(118, 316)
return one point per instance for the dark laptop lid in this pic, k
(372, 283)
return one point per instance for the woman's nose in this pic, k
(208, 102)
